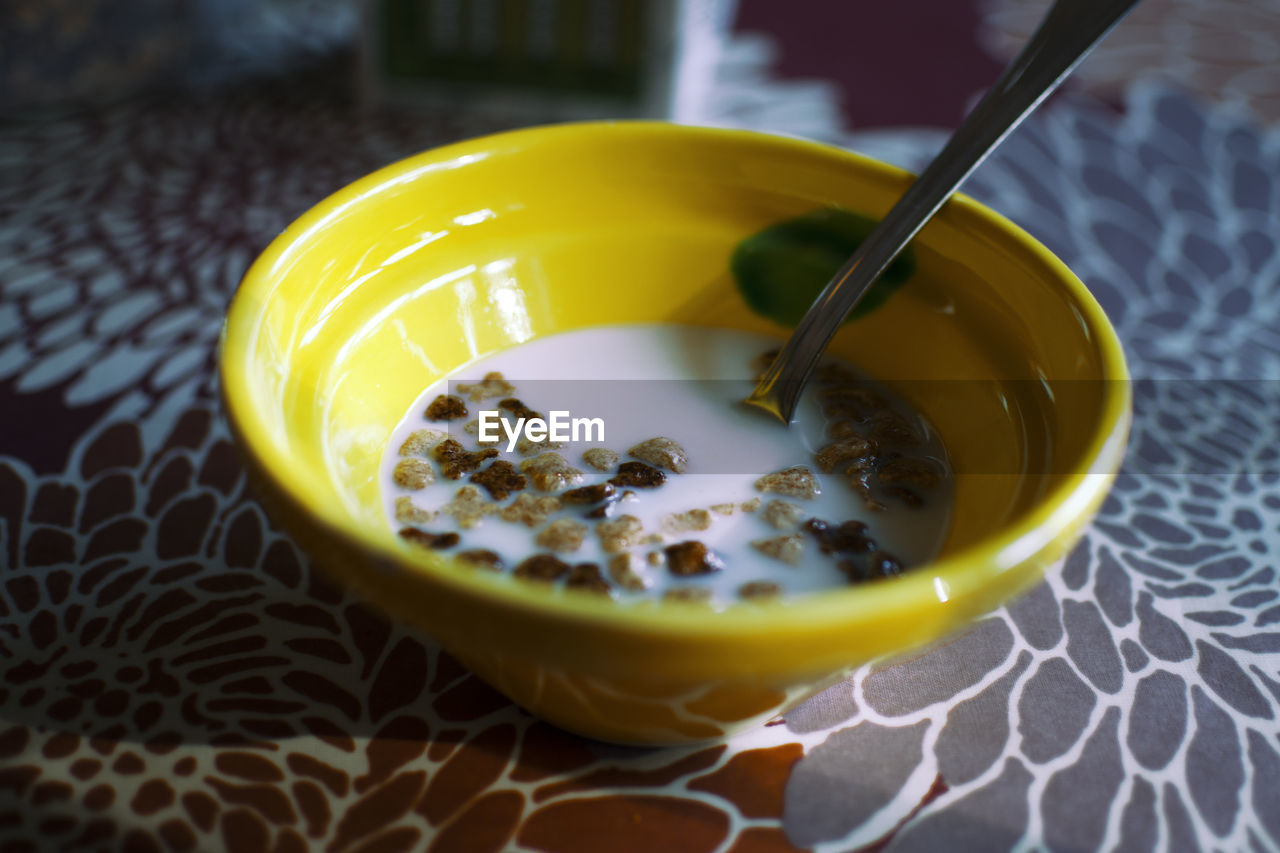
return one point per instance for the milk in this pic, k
(685, 383)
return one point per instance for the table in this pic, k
(173, 675)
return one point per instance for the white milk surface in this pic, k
(684, 383)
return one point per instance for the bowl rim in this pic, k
(931, 584)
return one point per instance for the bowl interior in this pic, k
(449, 256)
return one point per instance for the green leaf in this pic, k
(782, 269)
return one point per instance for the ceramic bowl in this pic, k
(451, 255)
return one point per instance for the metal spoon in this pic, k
(1070, 29)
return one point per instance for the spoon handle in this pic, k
(1070, 29)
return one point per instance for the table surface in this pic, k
(174, 676)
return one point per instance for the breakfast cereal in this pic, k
(795, 482)
(413, 473)
(600, 458)
(542, 567)
(468, 507)
(629, 572)
(782, 514)
(691, 594)
(530, 510)
(789, 549)
(593, 494)
(549, 472)
(686, 522)
(562, 536)
(759, 589)
(409, 512)
(420, 441)
(446, 407)
(455, 460)
(691, 558)
(500, 479)
(426, 539)
(620, 534)
(677, 519)
(493, 385)
(662, 452)
(842, 452)
(587, 576)
(638, 475)
(481, 557)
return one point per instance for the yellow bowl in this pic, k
(440, 259)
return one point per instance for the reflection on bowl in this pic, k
(456, 253)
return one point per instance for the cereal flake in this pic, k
(589, 494)
(638, 475)
(620, 534)
(689, 594)
(549, 472)
(629, 572)
(494, 384)
(890, 428)
(600, 458)
(843, 451)
(587, 576)
(662, 452)
(796, 482)
(541, 567)
(692, 558)
(529, 510)
(874, 566)
(446, 407)
(789, 549)
(684, 522)
(500, 479)
(413, 473)
(920, 473)
(427, 539)
(849, 401)
(469, 507)
(860, 482)
(562, 536)
(408, 512)
(455, 460)
(759, 589)
(422, 440)
(481, 558)
(850, 537)
(782, 514)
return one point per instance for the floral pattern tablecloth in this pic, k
(173, 676)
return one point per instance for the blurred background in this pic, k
(833, 66)
(149, 150)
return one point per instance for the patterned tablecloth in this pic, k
(174, 676)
